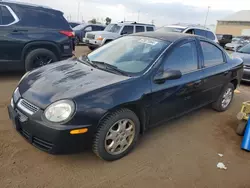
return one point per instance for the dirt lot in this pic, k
(183, 153)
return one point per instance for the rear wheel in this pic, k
(117, 135)
(39, 57)
(225, 99)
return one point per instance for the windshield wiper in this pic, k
(109, 67)
(84, 59)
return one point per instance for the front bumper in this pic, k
(52, 139)
(246, 75)
(92, 42)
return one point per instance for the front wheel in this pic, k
(117, 135)
(225, 98)
(92, 48)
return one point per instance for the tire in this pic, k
(106, 126)
(241, 128)
(32, 62)
(92, 48)
(218, 105)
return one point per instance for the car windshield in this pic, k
(171, 29)
(130, 54)
(79, 27)
(244, 49)
(114, 28)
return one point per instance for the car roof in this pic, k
(9, 2)
(132, 23)
(185, 26)
(166, 36)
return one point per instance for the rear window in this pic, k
(42, 18)
(150, 29)
(210, 35)
(5, 16)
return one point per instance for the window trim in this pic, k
(203, 59)
(16, 19)
(197, 55)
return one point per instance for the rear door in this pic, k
(175, 97)
(215, 69)
(10, 44)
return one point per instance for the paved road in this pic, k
(181, 153)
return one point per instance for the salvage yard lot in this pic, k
(180, 153)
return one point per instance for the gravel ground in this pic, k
(181, 153)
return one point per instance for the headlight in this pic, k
(99, 38)
(26, 74)
(12, 103)
(60, 111)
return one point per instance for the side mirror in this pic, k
(167, 75)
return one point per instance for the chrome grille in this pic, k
(27, 107)
(90, 36)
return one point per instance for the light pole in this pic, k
(78, 10)
(208, 8)
(138, 16)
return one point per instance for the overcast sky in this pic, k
(161, 11)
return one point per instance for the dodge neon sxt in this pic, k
(107, 99)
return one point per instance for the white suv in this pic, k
(113, 31)
(190, 29)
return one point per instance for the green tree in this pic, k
(93, 21)
(108, 20)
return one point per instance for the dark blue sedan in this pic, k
(82, 29)
(107, 99)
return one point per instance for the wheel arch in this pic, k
(235, 83)
(40, 44)
(139, 111)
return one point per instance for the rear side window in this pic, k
(42, 18)
(150, 29)
(139, 29)
(210, 35)
(212, 54)
(200, 32)
(128, 29)
(6, 16)
(183, 58)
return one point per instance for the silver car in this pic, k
(236, 43)
(244, 54)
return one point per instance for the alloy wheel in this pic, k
(227, 97)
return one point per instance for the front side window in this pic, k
(212, 54)
(131, 54)
(139, 29)
(183, 58)
(6, 16)
(127, 30)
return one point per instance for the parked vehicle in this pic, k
(244, 54)
(32, 36)
(74, 24)
(190, 29)
(237, 42)
(224, 39)
(81, 30)
(108, 98)
(113, 31)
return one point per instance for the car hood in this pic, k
(244, 57)
(64, 80)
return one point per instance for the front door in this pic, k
(175, 97)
